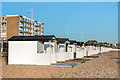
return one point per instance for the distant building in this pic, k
(18, 25)
(103, 43)
(106, 44)
(111, 45)
(91, 42)
(117, 45)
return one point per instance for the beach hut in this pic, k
(72, 49)
(91, 48)
(29, 50)
(79, 50)
(51, 47)
(63, 54)
(96, 48)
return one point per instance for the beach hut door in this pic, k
(74, 54)
(66, 47)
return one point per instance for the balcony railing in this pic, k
(21, 20)
(2, 25)
(21, 25)
(21, 31)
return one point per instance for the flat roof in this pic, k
(72, 41)
(62, 40)
(42, 38)
(21, 15)
(80, 43)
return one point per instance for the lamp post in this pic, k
(31, 11)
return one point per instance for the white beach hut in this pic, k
(63, 54)
(80, 50)
(28, 50)
(72, 49)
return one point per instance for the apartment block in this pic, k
(19, 25)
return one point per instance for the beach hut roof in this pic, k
(62, 40)
(72, 41)
(80, 43)
(42, 38)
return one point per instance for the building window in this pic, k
(3, 29)
(20, 34)
(24, 29)
(38, 32)
(20, 18)
(20, 24)
(26, 20)
(28, 30)
(3, 34)
(24, 24)
(4, 19)
(3, 23)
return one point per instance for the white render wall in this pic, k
(25, 52)
(53, 58)
(71, 50)
(61, 47)
(40, 47)
(61, 56)
(66, 55)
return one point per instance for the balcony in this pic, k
(3, 26)
(20, 25)
(21, 31)
(21, 20)
(35, 24)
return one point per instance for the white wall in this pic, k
(25, 52)
(61, 56)
(71, 55)
(61, 47)
(43, 59)
(40, 47)
(66, 55)
(53, 57)
(22, 52)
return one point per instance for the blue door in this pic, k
(74, 54)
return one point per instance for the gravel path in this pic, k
(105, 66)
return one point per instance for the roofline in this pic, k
(32, 39)
(23, 17)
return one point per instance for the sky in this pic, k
(85, 20)
(60, 0)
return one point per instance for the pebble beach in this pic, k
(105, 66)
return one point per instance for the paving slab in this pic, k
(70, 65)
